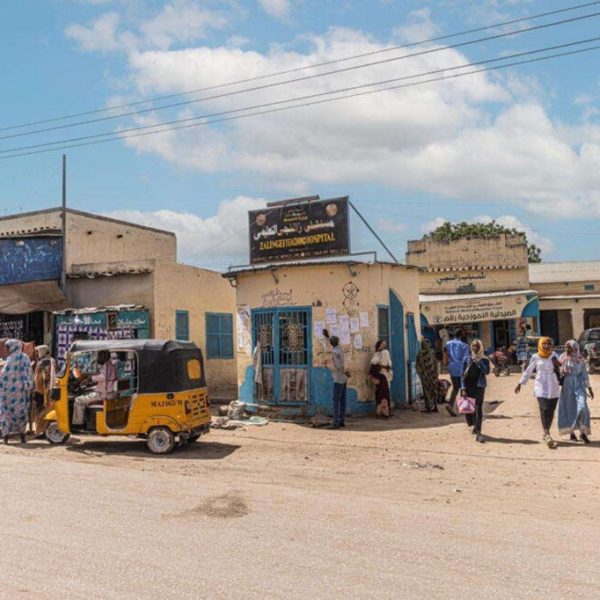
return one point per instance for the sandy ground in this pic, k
(408, 508)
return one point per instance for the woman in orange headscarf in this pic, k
(547, 388)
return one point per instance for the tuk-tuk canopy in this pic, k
(163, 365)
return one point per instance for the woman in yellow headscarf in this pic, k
(547, 388)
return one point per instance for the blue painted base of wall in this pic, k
(321, 392)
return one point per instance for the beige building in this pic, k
(283, 357)
(569, 294)
(479, 285)
(110, 263)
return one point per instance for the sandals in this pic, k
(550, 442)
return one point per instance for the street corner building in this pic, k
(94, 277)
(569, 295)
(479, 285)
(283, 306)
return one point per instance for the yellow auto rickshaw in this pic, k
(158, 394)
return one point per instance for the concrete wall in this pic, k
(349, 291)
(567, 288)
(576, 308)
(473, 281)
(110, 291)
(469, 252)
(181, 287)
(92, 238)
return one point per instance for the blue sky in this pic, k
(520, 145)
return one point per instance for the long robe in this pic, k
(16, 382)
(427, 369)
(573, 411)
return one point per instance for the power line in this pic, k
(303, 78)
(310, 66)
(192, 121)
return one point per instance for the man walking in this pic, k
(456, 358)
(340, 378)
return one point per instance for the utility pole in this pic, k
(63, 275)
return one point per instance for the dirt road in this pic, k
(409, 508)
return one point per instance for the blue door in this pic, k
(413, 350)
(284, 335)
(397, 349)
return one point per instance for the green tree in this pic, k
(448, 232)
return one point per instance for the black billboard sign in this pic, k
(309, 229)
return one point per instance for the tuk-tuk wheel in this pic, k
(161, 440)
(54, 435)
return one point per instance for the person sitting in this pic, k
(104, 389)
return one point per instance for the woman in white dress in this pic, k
(547, 389)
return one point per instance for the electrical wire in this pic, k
(191, 122)
(305, 77)
(310, 66)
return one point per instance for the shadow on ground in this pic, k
(200, 450)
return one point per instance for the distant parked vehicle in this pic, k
(589, 345)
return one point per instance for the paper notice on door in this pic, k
(345, 338)
(334, 330)
(354, 325)
(364, 319)
(358, 341)
(330, 316)
(319, 326)
(344, 321)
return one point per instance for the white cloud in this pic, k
(179, 22)
(433, 224)
(215, 242)
(390, 226)
(419, 27)
(279, 9)
(100, 36)
(477, 138)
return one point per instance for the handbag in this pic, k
(465, 405)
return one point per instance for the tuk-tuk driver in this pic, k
(104, 389)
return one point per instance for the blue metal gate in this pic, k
(284, 335)
(413, 350)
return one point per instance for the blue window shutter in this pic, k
(182, 325)
(219, 335)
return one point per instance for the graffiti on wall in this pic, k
(277, 297)
(30, 259)
(350, 291)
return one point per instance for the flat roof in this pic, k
(552, 272)
(84, 214)
(482, 295)
(311, 263)
(570, 297)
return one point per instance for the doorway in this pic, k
(284, 335)
(501, 331)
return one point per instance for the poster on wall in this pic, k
(243, 329)
(304, 230)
